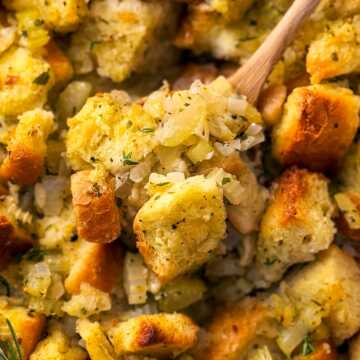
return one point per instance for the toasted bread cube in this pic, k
(97, 216)
(335, 52)
(297, 223)
(62, 16)
(27, 148)
(24, 81)
(317, 128)
(178, 229)
(349, 174)
(59, 63)
(355, 348)
(159, 335)
(57, 346)
(333, 278)
(27, 326)
(232, 330)
(99, 265)
(97, 344)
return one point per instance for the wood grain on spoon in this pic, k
(250, 78)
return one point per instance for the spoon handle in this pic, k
(250, 78)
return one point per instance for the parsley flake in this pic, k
(42, 79)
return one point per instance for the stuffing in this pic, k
(57, 346)
(333, 281)
(28, 326)
(355, 348)
(317, 127)
(27, 148)
(230, 9)
(335, 51)
(160, 335)
(96, 342)
(297, 223)
(179, 229)
(120, 37)
(322, 351)
(24, 81)
(99, 265)
(97, 216)
(232, 330)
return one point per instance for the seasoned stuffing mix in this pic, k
(149, 211)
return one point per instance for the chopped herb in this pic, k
(35, 254)
(127, 159)
(42, 79)
(4, 283)
(96, 189)
(225, 180)
(10, 348)
(307, 346)
(38, 22)
(163, 183)
(269, 262)
(148, 130)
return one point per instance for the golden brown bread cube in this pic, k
(99, 265)
(28, 327)
(159, 335)
(97, 216)
(232, 330)
(27, 148)
(335, 52)
(317, 127)
(355, 348)
(333, 281)
(297, 223)
(179, 229)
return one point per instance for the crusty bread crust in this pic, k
(159, 335)
(98, 265)
(97, 216)
(317, 128)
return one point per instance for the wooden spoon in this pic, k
(250, 78)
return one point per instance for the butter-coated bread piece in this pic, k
(333, 281)
(99, 265)
(160, 335)
(232, 330)
(28, 327)
(25, 80)
(97, 216)
(335, 52)
(317, 127)
(27, 148)
(297, 223)
(179, 229)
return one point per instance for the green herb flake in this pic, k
(269, 262)
(127, 159)
(225, 180)
(163, 183)
(307, 347)
(35, 254)
(148, 130)
(42, 79)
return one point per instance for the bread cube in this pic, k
(97, 216)
(232, 330)
(159, 335)
(297, 223)
(333, 281)
(335, 51)
(27, 148)
(97, 344)
(317, 128)
(62, 16)
(355, 348)
(99, 265)
(57, 346)
(179, 229)
(28, 326)
(24, 81)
